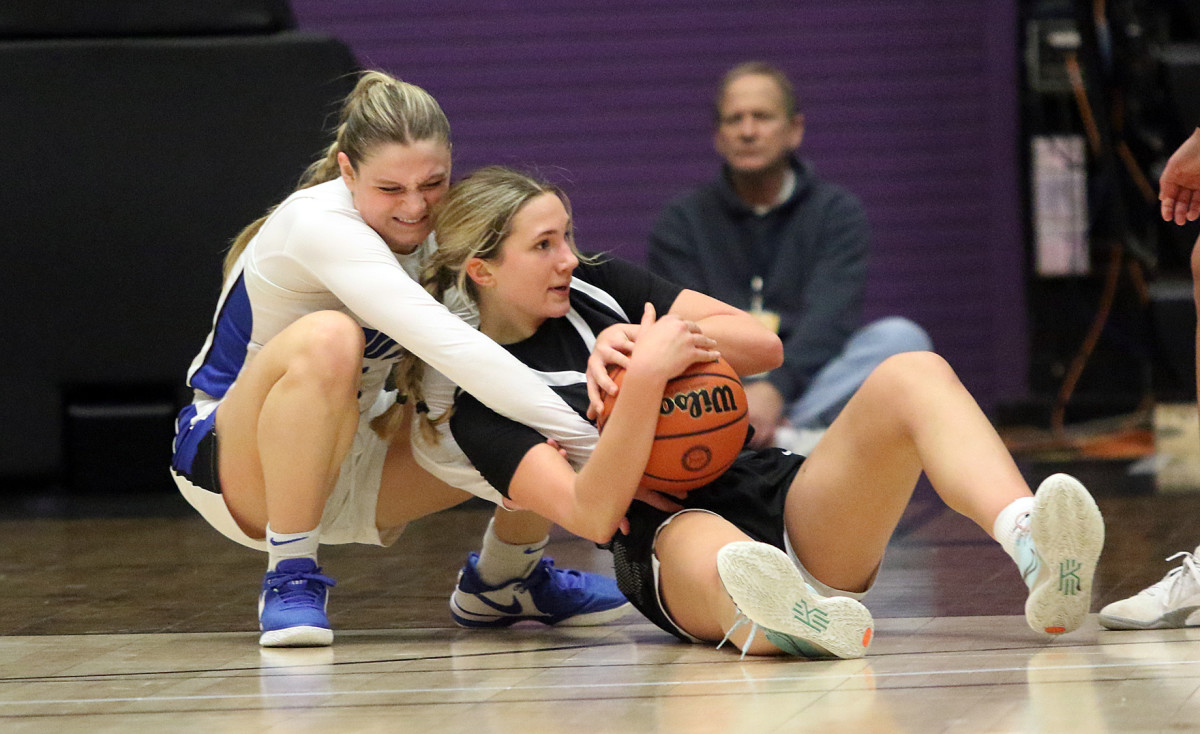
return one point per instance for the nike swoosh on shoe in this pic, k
(514, 608)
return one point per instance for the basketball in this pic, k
(702, 424)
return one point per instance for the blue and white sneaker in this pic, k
(1057, 548)
(771, 594)
(291, 608)
(548, 595)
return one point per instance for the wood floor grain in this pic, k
(136, 616)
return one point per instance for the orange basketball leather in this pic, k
(702, 425)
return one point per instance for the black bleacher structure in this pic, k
(136, 144)
(123, 18)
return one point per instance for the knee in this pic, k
(898, 334)
(330, 351)
(901, 373)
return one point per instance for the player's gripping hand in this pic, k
(614, 346)
(669, 345)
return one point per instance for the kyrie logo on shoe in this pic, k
(1068, 577)
(810, 616)
(514, 608)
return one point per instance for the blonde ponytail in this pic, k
(379, 110)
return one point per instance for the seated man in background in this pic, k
(770, 237)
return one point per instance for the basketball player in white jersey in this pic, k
(318, 303)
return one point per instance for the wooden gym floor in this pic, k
(128, 614)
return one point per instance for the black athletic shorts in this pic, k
(750, 495)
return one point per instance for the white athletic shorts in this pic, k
(349, 515)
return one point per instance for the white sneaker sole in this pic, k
(1188, 616)
(297, 637)
(768, 588)
(592, 619)
(1068, 533)
(490, 618)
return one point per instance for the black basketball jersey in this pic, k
(602, 294)
(750, 494)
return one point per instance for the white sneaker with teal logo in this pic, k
(1172, 602)
(1057, 548)
(772, 595)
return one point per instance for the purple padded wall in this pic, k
(911, 105)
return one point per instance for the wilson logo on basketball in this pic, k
(702, 424)
(718, 399)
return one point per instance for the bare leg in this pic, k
(406, 491)
(519, 528)
(911, 414)
(690, 585)
(288, 422)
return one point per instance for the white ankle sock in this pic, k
(1010, 519)
(500, 561)
(281, 546)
